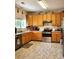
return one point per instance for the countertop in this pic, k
(26, 32)
(31, 31)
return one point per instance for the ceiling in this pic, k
(32, 5)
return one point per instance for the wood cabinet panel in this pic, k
(39, 20)
(37, 36)
(44, 17)
(26, 37)
(62, 15)
(49, 16)
(56, 36)
(30, 20)
(54, 19)
(35, 20)
(58, 19)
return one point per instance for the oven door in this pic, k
(47, 36)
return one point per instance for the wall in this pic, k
(22, 15)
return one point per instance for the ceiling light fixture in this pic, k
(43, 3)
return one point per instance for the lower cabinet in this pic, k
(36, 36)
(56, 36)
(26, 37)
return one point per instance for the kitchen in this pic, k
(37, 27)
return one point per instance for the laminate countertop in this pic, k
(31, 31)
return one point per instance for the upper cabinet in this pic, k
(49, 16)
(35, 20)
(44, 17)
(53, 17)
(58, 19)
(30, 19)
(62, 15)
(40, 20)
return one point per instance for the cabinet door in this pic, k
(62, 15)
(26, 37)
(30, 20)
(58, 36)
(53, 37)
(44, 17)
(37, 36)
(39, 20)
(34, 20)
(58, 19)
(49, 16)
(53, 19)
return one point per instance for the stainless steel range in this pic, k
(47, 35)
(47, 32)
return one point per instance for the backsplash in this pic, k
(21, 29)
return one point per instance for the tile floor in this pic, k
(40, 50)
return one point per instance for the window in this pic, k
(20, 23)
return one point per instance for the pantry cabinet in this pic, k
(30, 20)
(37, 36)
(56, 36)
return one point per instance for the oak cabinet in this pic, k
(56, 36)
(30, 20)
(62, 15)
(58, 19)
(39, 20)
(37, 36)
(54, 19)
(49, 16)
(44, 17)
(35, 20)
(26, 37)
